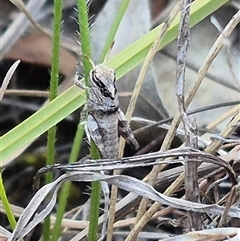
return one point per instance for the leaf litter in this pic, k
(35, 213)
(39, 207)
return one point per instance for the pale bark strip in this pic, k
(191, 181)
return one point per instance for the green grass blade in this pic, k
(6, 204)
(94, 211)
(41, 121)
(113, 29)
(86, 51)
(84, 37)
(53, 94)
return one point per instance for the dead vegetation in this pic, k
(190, 170)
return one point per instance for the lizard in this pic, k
(105, 120)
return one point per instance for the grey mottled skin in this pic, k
(105, 118)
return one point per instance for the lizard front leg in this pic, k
(93, 132)
(78, 81)
(125, 130)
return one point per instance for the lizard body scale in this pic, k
(105, 119)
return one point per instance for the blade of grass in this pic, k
(95, 197)
(84, 38)
(86, 51)
(113, 29)
(95, 200)
(54, 79)
(53, 94)
(153, 50)
(66, 186)
(40, 121)
(6, 204)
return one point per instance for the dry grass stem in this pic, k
(144, 203)
(7, 79)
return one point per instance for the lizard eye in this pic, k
(105, 92)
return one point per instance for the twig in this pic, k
(191, 181)
(195, 111)
(143, 161)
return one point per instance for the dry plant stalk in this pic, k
(192, 192)
(7, 78)
(19, 25)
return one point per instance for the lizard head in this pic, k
(103, 77)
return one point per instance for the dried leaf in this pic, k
(7, 78)
(210, 235)
(130, 184)
(4, 233)
(147, 160)
(21, 6)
